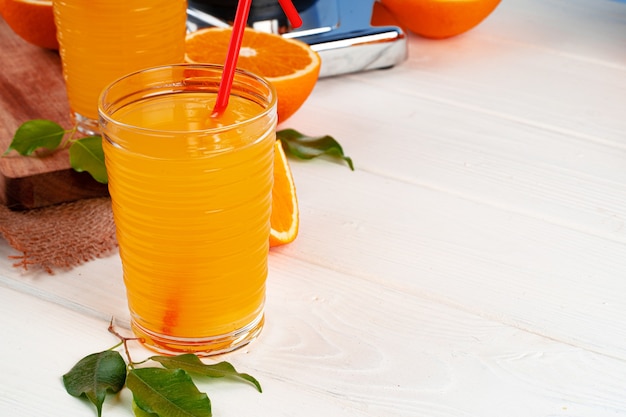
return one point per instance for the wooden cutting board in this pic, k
(32, 87)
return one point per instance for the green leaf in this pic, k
(35, 134)
(192, 364)
(308, 147)
(86, 154)
(140, 413)
(167, 393)
(96, 374)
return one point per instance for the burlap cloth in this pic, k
(61, 236)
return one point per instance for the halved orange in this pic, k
(290, 65)
(32, 20)
(285, 214)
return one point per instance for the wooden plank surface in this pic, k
(32, 87)
(472, 266)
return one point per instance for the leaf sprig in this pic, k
(165, 391)
(86, 153)
(309, 147)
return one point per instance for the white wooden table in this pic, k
(474, 264)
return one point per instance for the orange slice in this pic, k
(285, 214)
(32, 20)
(290, 65)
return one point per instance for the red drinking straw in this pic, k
(291, 13)
(239, 25)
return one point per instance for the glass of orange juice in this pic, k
(101, 40)
(191, 196)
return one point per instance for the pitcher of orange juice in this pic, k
(102, 40)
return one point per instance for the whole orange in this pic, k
(32, 20)
(438, 19)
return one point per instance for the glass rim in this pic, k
(272, 102)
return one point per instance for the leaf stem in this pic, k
(116, 346)
(123, 341)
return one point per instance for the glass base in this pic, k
(85, 125)
(205, 346)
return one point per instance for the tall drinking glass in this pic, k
(102, 40)
(191, 200)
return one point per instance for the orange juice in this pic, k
(102, 40)
(191, 200)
